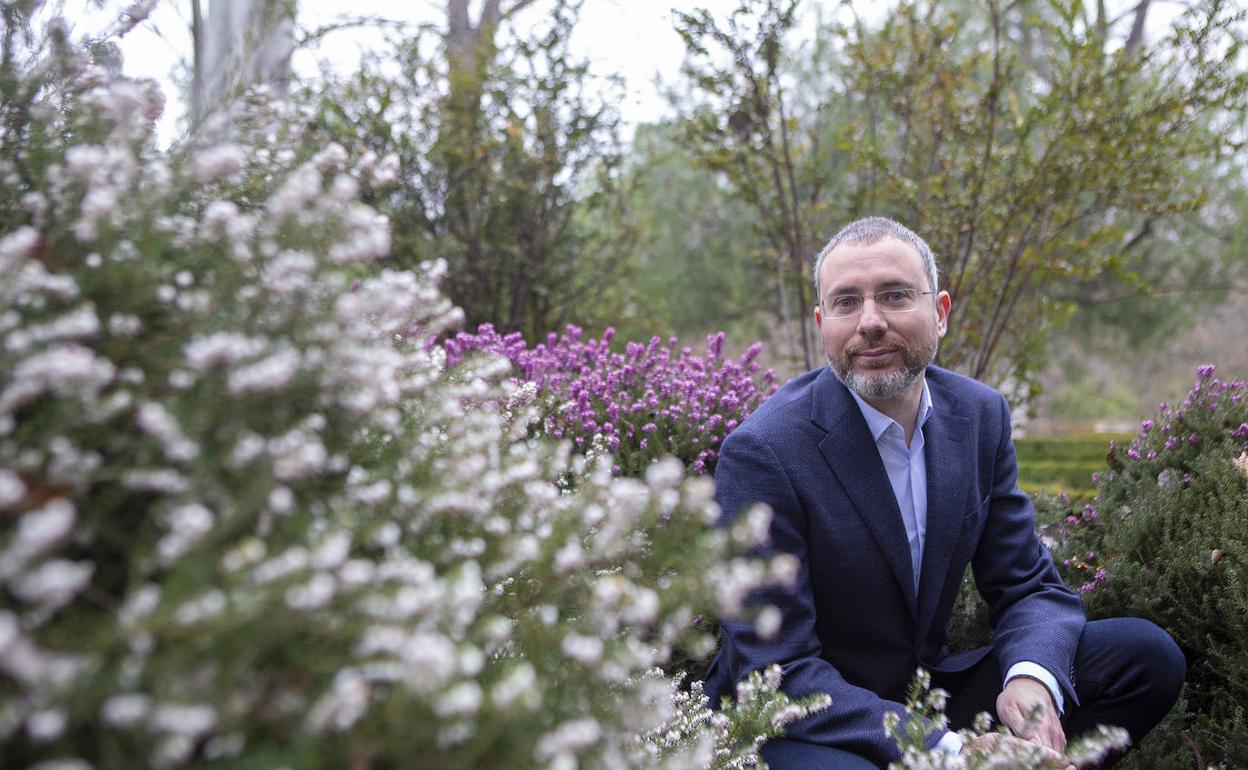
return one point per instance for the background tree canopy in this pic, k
(1076, 177)
(1044, 159)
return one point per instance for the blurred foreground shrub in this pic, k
(250, 519)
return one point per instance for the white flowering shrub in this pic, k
(247, 518)
(985, 749)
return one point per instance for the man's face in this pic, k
(880, 355)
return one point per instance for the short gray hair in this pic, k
(870, 230)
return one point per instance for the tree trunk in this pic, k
(1136, 38)
(241, 43)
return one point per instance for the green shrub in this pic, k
(1165, 539)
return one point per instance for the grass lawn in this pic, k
(1053, 464)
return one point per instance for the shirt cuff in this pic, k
(951, 743)
(1038, 672)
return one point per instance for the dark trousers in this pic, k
(1128, 673)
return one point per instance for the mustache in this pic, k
(896, 345)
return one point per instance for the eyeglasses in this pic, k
(888, 301)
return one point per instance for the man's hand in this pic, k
(1026, 707)
(1001, 744)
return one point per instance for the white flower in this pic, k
(314, 594)
(66, 370)
(569, 737)
(569, 558)
(386, 172)
(125, 710)
(464, 699)
(297, 455)
(47, 725)
(187, 525)
(518, 686)
(586, 650)
(37, 532)
(332, 551)
(343, 704)
(53, 582)
(62, 764)
(431, 658)
(17, 245)
(767, 625)
(138, 605)
(289, 271)
(1241, 463)
(157, 422)
(12, 488)
(224, 160)
(184, 719)
(271, 373)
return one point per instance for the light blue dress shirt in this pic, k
(906, 467)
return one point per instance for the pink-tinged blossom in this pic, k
(52, 583)
(67, 370)
(12, 489)
(38, 531)
(224, 160)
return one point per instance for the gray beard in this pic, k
(880, 387)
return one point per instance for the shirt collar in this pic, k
(878, 422)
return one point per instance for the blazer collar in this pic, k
(849, 448)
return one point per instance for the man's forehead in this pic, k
(887, 260)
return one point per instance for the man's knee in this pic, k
(1147, 657)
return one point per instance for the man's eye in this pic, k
(846, 302)
(895, 297)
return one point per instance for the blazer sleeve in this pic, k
(1033, 614)
(749, 472)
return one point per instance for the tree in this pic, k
(750, 125)
(512, 175)
(1029, 176)
(699, 267)
(1035, 153)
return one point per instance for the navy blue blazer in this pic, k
(852, 625)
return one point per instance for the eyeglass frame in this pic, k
(862, 300)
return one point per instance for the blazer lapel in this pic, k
(948, 466)
(850, 451)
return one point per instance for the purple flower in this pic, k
(688, 401)
(1206, 371)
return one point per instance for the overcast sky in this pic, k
(631, 38)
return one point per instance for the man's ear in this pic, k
(943, 305)
(818, 316)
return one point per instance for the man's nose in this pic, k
(870, 319)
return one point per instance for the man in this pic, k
(887, 477)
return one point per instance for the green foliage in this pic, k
(1025, 153)
(508, 167)
(768, 140)
(1164, 539)
(1055, 465)
(1049, 168)
(699, 268)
